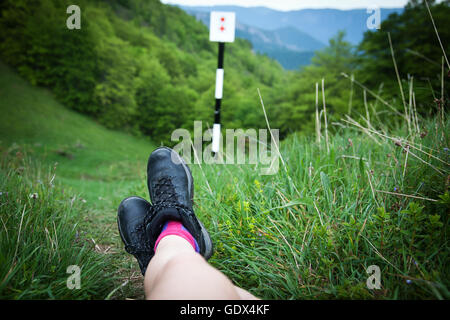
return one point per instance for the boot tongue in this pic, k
(162, 216)
(169, 214)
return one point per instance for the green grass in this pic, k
(40, 237)
(97, 166)
(95, 161)
(312, 232)
(307, 232)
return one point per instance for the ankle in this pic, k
(173, 244)
(176, 228)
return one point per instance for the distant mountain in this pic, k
(291, 47)
(288, 37)
(321, 24)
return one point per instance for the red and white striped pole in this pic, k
(222, 28)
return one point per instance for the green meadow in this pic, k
(358, 197)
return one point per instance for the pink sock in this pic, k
(176, 228)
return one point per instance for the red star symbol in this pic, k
(222, 19)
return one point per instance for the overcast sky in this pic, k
(286, 5)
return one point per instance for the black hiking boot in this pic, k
(171, 189)
(130, 220)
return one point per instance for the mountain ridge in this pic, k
(321, 24)
(291, 47)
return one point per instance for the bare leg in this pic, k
(244, 294)
(177, 272)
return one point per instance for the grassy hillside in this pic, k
(95, 167)
(93, 160)
(309, 231)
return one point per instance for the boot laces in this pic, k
(165, 191)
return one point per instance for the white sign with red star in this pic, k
(222, 26)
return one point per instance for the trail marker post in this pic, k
(221, 29)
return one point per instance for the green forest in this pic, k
(149, 68)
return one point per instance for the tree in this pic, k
(297, 107)
(417, 53)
